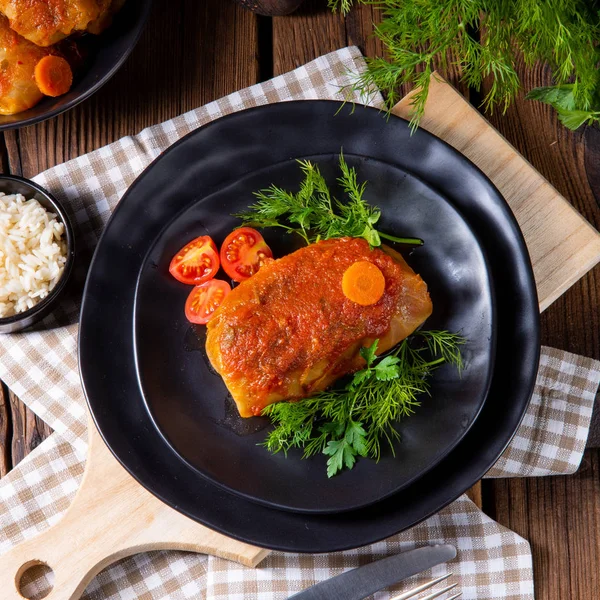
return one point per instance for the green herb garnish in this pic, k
(315, 214)
(562, 98)
(352, 421)
(485, 39)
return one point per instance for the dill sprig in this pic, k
(343, 6)
(354, 420)
(486, 39)
(314, 214)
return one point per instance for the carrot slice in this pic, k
(363, 283)
(53, 75)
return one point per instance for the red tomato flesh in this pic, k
(243, 253)
(196, 262)
(204, 300)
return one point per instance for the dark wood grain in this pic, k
(305, 35)
(5, 431)
(271, 8)
(28, 430)
(560, 516)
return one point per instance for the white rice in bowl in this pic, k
(33, 253)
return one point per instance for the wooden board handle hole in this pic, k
(30, 572)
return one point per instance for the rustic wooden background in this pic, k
(193, 52)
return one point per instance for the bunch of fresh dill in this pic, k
(314, 214)
(485, 39)
(351, 421)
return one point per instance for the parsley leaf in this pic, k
(343, 452)
(360, 377)
(562, 98)
(341, 455)
(335, 429)
(387, 368)
(369, 354)
(559, 96)
(355, 436)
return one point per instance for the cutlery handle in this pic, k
(368, 579)
(111, 517)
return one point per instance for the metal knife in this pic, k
(368, 579)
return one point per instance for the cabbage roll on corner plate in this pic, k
(290, 330)
(45, 23)
(18, 57)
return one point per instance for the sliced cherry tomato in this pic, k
(205, 299)
(196, 262)
(243, 253)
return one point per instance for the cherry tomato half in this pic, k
(205, 299)
(243, 253)
(196, 262)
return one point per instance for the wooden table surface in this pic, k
(193, 52)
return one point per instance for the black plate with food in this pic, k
(191, 186)
(90, 42)
(190, 402)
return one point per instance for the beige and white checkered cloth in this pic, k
(41, 368)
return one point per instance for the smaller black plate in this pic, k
(190, 403)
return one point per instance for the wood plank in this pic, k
(28, 430)
(476, 494)
(588, 338)
(4, 164)
(359, 30)
(305, 35)
(560, 517)
(5, 431)
(562, 245)
(571, 163)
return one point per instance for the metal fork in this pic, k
(436, 594)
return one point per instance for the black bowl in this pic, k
(109, 52)
(11, 184)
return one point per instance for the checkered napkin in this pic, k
(41, 368)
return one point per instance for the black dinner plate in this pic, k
(230, 152)
(189, 402)
(105, 55)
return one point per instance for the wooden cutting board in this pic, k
(563, 246)
(112, 516)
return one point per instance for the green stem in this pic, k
(301, 232)
(433, 363)
(407, 241)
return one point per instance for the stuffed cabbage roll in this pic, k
(290, 331)
(44, 23)
(18, 57)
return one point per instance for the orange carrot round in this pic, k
(53, 75)
(363, 283)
